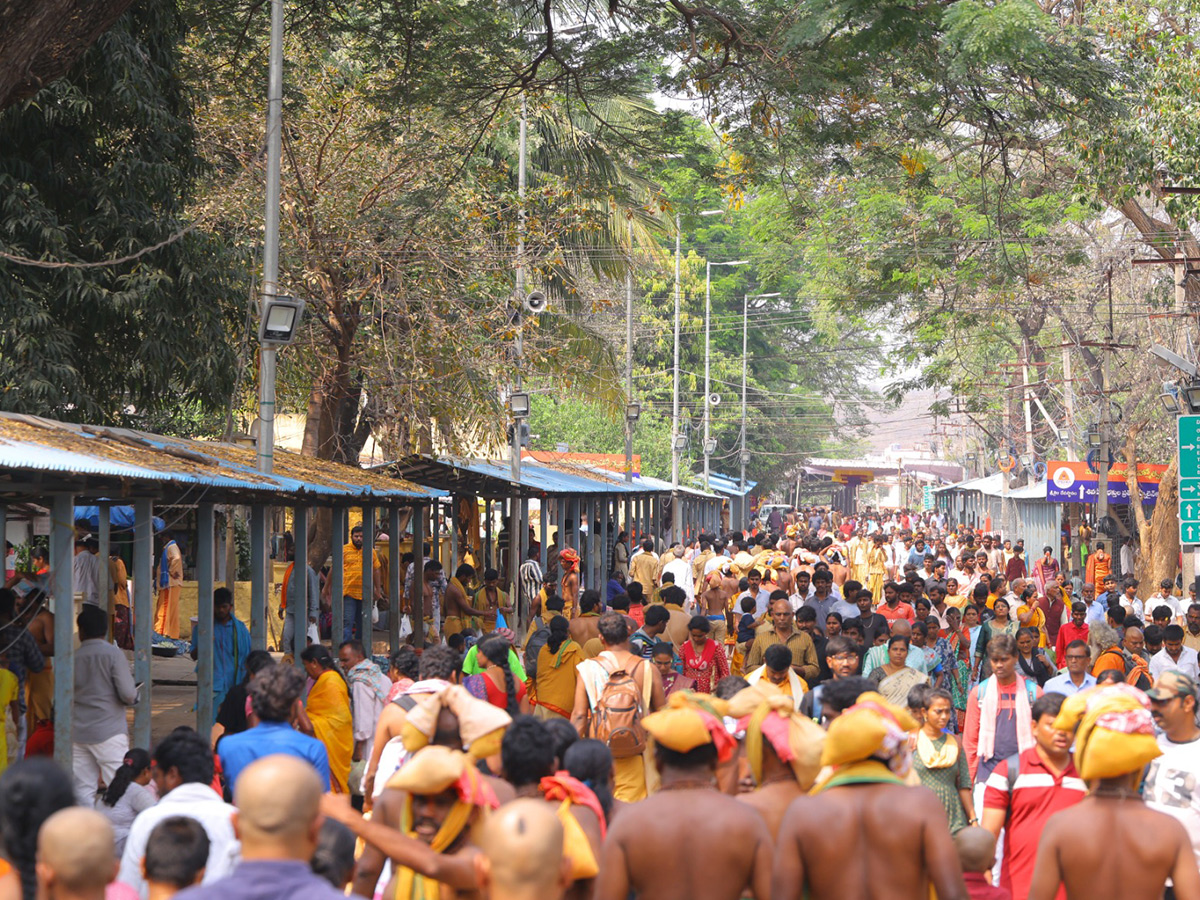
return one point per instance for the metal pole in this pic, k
(544, 529)
(454, 558)
(270, 286)
(107, 598)
(298, 598)
(395, 579)
(675, 389)
(337, 575)
(258, 576)
(62, 549)
(143, 615)
(707, 321)
(202, 640)
(416, 597)
(629, 355)
(515, 524)
(368, 574)
(745, 328)
(1102, 466)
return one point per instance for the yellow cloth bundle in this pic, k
(871, 728)
(480, 724)
(796, 739)
(691, 720)
(1115, 733)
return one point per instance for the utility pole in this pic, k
(675, 523)
(516, 527)
(743, 455)
(1105, 415)
(265, 444)
(1025, 399)
(629, 356)
(1069, 401)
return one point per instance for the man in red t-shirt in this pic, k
(897, 602)
(1020, 802)
(1075, 630)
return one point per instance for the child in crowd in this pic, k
(176, 853)
(977, 853)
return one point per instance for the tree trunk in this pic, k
(1158, 538)
(40, 40)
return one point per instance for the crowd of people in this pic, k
(827, 707)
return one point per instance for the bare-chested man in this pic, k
(456, 602)
(711, 601)
(1156, 846)
(864, 803)
(568, 560)
(782, 747)
(527, 756)
(586, 626)
(439, 667)
(423, 799)
(729, 847)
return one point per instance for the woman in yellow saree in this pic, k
(554, 685)
(328, 713)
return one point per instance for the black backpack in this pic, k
(537, 641)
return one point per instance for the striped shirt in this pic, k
(1037, 793)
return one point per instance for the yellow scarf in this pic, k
(413, 886)
(934, 758)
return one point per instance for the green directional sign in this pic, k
(1189, 479)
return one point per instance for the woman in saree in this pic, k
(894, 677)
(327, 713)
(1002, 624)
(1045, 569)
(554, 684)
(954, 662)
(1032, 614)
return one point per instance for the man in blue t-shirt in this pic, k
(275, 700)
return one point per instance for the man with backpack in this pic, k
(1026, 789)
(999, 715)
(612, 694)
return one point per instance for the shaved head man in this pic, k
(522, 856)
(75, 858)
(278, 821)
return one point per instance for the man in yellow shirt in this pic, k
(353, 559)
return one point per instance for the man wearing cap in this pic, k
(729, 841)
(1172, 784)
(1114, 740)
(864, 803)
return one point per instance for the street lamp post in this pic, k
(675, 442)
(707, 322)
(744, 455)
(270, 283)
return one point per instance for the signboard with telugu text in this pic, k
(1075, 482)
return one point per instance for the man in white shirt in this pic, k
(1164, 597)
(1172, 784)
(1174, 655)
(1129, 599)
(369, 689)
(86, 572)
(1077, 677)
(103, 689)
(682, 570)
(183, 774)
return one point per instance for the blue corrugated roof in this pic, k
(494, 477)
(33, 445)
(731, 487)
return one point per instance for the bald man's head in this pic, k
(75, 852)
(278, 799)
(522, 853)
(976, 849)
(902, 627)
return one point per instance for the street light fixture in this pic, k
(681, 443)
(1170, 397)
(710, 446)
(707, 327)
(280, 320)
(1191, 394)
(518, 404)
(633, 412)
